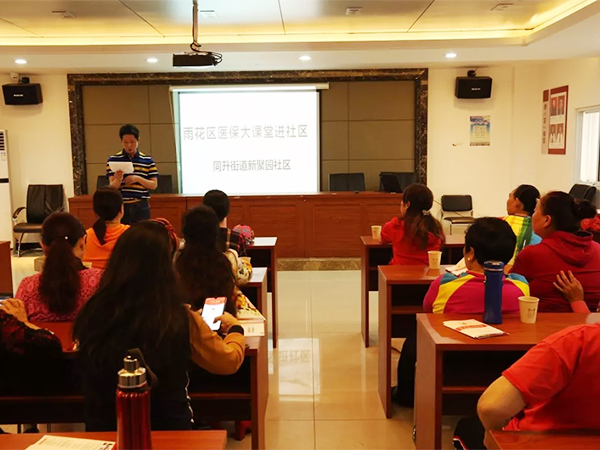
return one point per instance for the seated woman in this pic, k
(520, 207)
(487, 239)
(415, 231)
(140, 305)
(64, 284)
(108, 207)
(204, 271)
(564, 247)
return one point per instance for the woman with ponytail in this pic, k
(564, 247)
(65, 284)
(102, 237)
(203, 270)
(415, 231)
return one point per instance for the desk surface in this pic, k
(567, 440)
(410, 274)
(521, 336)
(452, 240)
(263, 242)
(62, 330)
(161, 440)
(259, 275)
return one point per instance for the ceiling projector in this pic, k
(196, 59)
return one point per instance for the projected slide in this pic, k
(249, 141)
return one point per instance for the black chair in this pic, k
(102, 181)
(42, 200)
(459, 205)
(347, 181)
(165, 184)
(583, 192)
(396, 181)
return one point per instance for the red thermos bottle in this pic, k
(133, 407)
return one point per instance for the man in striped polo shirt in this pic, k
(135, 188)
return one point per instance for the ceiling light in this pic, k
(152, 60)
(305, 58)
(208, 13)
(20, 61)
(353, 10)
(451, 55)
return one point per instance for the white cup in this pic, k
(528, 307)
(435, 257)
(376, 232)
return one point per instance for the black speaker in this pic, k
(473, 87)
(22, 94)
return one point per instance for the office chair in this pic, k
(583, 192)
(458, 205)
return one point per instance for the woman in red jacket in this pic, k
(415, 231)
(564, 247)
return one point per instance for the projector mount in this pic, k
(197, 57)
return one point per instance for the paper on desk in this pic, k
(474, 328)
(61, 443)
(125, 166)
(458, 269)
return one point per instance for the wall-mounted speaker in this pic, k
(22, 94)
(473, 87)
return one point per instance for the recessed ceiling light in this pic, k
(152, 60)
(209, 13)
(353, 10)
(305, 58)
(20, 61)
(451, 55)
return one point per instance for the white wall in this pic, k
(39, 139)
(583, 78)
(487, 173)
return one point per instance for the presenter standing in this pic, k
(135, 188)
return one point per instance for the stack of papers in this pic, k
(474, 328)
(62, 443)
(458, 269)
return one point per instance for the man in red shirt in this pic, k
(554, 386)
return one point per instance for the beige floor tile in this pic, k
(290, 408)
(22, 267)
(363, 434)
(290, 435)
(348, 405)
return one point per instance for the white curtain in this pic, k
(590, 142)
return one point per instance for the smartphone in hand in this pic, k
(213, 308)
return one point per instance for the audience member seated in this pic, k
(58, 292)
(204, 271)
(415, 231)
(553, 387)
(487, 239)
(520, 207)
(233, 239)
(139, 305)
(564, 247)
(101, 238)
(572, 290)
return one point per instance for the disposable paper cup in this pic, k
(376, 232)
(528, 307)
(434, 259)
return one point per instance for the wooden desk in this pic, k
(6, 285)
(554, 440)
(161, 440)
(263, 253)
(375, 254)
(323, 224)
(241, 396)
(401, 293)
(435, 343)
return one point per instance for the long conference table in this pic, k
(324, 224)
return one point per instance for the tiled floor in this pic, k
(323, 382)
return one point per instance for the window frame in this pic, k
(578, 145)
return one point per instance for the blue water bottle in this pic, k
(494, 279)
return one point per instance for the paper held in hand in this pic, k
(61, 443)
(474, 328)
(125, 166)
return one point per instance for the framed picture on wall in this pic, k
(554, 122)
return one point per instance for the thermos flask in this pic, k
(494, 279)
(133, 407)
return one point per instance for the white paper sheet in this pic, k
(125, 166)
(62, 443)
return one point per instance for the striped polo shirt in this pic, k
(143, 166)
(465, 294)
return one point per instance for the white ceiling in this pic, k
(118, 36)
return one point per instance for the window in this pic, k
(589, 145)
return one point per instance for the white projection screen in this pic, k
(248, 140)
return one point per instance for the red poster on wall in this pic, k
(545, 120)
(557, 132)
